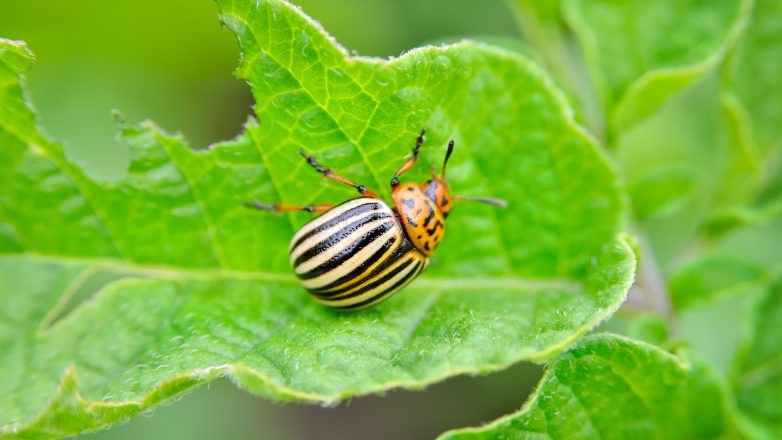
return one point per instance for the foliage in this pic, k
(121, 295)
(607, 386)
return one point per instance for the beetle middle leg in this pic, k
(411, 161)
(329, 174)
(279, 207)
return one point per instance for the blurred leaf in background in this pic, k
(687, 96)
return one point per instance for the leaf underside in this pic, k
(121, 295)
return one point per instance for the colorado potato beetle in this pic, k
(360, 252)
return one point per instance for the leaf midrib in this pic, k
(206, 273)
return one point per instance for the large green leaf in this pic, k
(641, 53)
(611, 387)
(121, 295)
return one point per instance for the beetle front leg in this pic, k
(329, 174)
(411, 161)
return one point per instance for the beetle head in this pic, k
(437, 188)
(438, 191)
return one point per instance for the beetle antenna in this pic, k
(447, 156)
(496, 202)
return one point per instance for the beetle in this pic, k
(361, 251)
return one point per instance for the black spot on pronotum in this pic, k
(411, 189)
(429, 218)
(437, 224)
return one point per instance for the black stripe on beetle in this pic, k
(379, 296)
(355, 245)
(352, 213)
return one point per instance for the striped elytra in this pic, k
(354, 255)
(360, 252)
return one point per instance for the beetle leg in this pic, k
(329, 174)
(411, 161)
(278, 207)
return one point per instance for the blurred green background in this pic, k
(171, 62)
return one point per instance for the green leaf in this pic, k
(725, 220)
(752, 87)
(708, 276)
(674, 163)
(611, 387)
(648, 327)
(121, 295)
(714, 289)
(642, 53)
(662, 190)
(541, 24)
(749, 189)
(712, 329)
(759, 243)
(758, 369)
(753, 78)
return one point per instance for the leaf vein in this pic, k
(99, 214)
(214, 238)
(332, 117)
